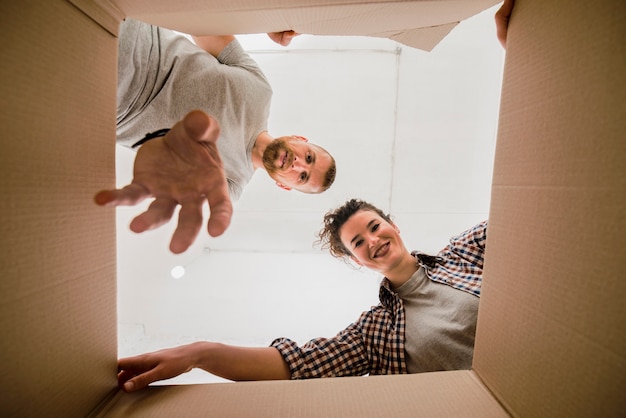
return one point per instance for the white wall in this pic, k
(412, 132)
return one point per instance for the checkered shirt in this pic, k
(374, 344)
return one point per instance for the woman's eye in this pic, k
(358, 243)
(375, 227)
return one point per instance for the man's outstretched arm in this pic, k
(181, 168)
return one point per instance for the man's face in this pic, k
(295, 164)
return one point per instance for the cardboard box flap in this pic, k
(442, 394)
(421, 38)
(420, 24)
(102, 12)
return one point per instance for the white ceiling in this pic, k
(412, 132)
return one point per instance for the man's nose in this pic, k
(297, 163)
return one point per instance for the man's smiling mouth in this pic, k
(285, 161)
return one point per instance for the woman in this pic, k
(426, 319)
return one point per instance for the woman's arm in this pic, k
(470, 244)
(229, 362)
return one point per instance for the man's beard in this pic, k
(272, 152)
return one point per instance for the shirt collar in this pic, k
(388, 298)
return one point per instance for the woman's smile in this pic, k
(382, 250)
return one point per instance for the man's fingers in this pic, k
(221, 210)
(193, 168)
(128, 196)
(158, 213)
(189, 224)
(201, 127)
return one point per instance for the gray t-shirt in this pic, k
(162, 76)
(440, 325)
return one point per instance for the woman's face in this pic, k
(373, 242)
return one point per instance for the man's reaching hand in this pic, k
(181, 168)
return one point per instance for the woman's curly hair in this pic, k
(335, 219)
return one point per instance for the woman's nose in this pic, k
(372, 240)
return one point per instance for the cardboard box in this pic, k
(551, 337)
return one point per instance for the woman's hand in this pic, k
(137, 372)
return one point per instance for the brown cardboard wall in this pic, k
(552, 323)
(57, 316)
(443, 394)
(418, 23)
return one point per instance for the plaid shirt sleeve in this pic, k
(372, 345)
(470, 245)
(463, 261)
(342, 355)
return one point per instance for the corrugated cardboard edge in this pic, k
(105, 405)
(103, 12)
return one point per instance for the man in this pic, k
(162, 76)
